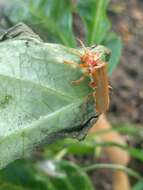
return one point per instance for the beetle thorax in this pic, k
(90, 58)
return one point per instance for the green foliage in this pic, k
(138, 186)
(135, 132)
(98, 28)
(38, 101)
(9, 186)
(47, 175)
(55, 172)
(94, 16)
(54, 21)
(114, 43)
(53, 17)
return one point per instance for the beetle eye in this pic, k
(107, 55)
(93, 46)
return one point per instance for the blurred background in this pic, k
(117, 24)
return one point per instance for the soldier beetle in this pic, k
(100, 79)
(96, 70)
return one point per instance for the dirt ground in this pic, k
(127, 79)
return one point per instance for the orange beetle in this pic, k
(96, 69)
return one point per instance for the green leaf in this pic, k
(75, 147)
(22, 174)
(38, 102)
(8, 186)
(47, 175)
(93, 14)
(136, 153)
(97, 24)
(66, 175)
(138, 186)
(134, 130)
(52, 18)
(71, 146)
(114, 43)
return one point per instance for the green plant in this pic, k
(54, 21)
(138, 185)
(48, 175)
(55, 170)
(38, 102)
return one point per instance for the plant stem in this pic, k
(96, 19)
(113, 167)
(61, 154)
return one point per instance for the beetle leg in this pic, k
(72, 63)
(82, 45)
(75, 52)
(110, 87)
(76, 65)
(82, 78)
(83, 65)
(93, 85)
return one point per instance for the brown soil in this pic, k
(127, 79)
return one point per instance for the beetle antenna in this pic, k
(82, 45)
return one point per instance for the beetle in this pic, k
(100, 78)
(97, 71)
